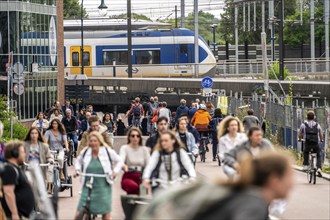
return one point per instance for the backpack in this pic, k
(312, 134)
(155, 172)
(185, 201)
(136, 110)
(214, 125)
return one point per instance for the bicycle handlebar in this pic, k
(90, 175)
(40, 164)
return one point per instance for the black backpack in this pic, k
(214, 124)
(136, 111)
(155, 172)
(312, 134)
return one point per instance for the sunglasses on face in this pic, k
(135, 135)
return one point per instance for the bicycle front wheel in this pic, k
(309, 176)
(84, 215)
(314, 176)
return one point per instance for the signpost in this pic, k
(207, 83)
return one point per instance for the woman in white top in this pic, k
(168, 162)
(41, 122)
(98, 158)
(230, 134)
(135, 157)
(56, 114)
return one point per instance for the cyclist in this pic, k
(41, 122)
(36, 149)
(135, 157)
(230, 134)
(56, 138)
(311, 132)
(136, 111)
(56, 114)
(252, 147)
(164, 111)
(250, 120)
(210, 108)
(182, 109)
(192, 129)
(90, 109)
(213, 126)
(84, 125)
(162, 125)
(262, 180)
(108, 122)
(70, 124)
(201, 122)
(192, 110)
(97, 159)
(186, 138)
(168, 162)
(94, 125)
(67, 105)
(151, 107)
(18, 199)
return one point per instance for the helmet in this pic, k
(202, 106)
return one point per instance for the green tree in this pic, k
(296, 33)
(227, 21)
(19, 130)
(72, 9)
(134, 17)
(205, 20)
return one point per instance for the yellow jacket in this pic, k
(201, 117)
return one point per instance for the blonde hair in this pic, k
(223, 127)
(99, 137)
(183, 102)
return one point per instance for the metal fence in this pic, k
(282, 120)
(254, 67)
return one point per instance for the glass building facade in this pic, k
(28, 32)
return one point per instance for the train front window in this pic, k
(119, 56)
(86, 59)
(147, 56)
(75, 59)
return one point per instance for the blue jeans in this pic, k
(149, 124)
(74, 137)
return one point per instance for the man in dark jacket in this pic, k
(162, 125)
(67, 106)
(182, 109)
(253, 147)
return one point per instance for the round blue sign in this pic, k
(207, 82)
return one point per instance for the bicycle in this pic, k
(86, 214)
(312, 168)
(58, 184)
(136, 122)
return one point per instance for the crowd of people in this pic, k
(168, 156)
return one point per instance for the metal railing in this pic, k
(300, 67)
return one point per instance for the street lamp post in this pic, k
(213, 26)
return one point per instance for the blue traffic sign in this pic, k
(207, 82)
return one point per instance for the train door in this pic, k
(182, 53)
(76, 60)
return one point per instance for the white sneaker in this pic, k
(319, 172)
(305, 168)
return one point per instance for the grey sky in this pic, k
(154, 9)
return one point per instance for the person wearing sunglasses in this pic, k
(168, 163)
(135, 157)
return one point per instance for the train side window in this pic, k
(119, 56)
(86, 59)
(147, 56)
(75, 59)
(183, 48)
